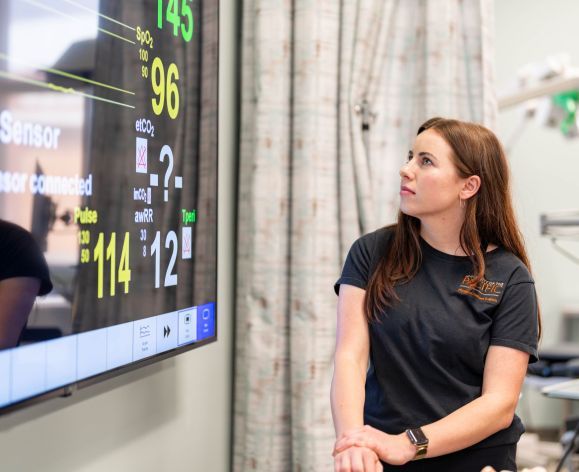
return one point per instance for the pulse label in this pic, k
(85, 216)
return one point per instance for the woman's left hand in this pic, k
(392, 449)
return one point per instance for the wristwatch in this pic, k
(418, 438)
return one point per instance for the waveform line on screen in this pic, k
(58, 12)
(64, 74)
(99, 14)
(58, 88)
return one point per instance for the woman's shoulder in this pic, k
(510, 265)
(376, 239)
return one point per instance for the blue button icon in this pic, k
(206, 321)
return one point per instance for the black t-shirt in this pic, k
(427, 352)
(20, 256)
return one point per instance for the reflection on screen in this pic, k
(108, 159)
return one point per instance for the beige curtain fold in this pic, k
(332, 92)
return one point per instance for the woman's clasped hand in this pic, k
(362, 449)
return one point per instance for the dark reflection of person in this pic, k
(23, 275)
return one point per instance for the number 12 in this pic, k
(170, 240)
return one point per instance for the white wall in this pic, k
(174, 415)
(544, 163)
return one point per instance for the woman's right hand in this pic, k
(357, 459)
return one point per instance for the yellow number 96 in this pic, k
(159, 89)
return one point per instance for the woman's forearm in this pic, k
(468, 425)
(464, 427)
(347, 394)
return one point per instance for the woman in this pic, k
(437, 317)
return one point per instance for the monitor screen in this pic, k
(108, 179)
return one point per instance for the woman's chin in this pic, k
(408, 212)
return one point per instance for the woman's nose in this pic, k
(405, 170)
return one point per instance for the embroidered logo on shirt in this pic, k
(485, 290)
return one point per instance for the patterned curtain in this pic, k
(332, 94)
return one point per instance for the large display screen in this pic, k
(108, 161)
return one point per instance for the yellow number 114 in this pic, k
(124, 272)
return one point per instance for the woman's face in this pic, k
(431, 178)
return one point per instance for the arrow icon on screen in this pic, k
(166, 331)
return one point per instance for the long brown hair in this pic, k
(489, 214)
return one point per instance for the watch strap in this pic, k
(420, 452)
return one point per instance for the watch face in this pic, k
(417, 436)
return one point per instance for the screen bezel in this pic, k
(69, 389)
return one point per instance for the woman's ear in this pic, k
(470, 187)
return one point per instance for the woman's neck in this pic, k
(445, 237)
(443, 234)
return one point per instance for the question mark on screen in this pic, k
(166, 151)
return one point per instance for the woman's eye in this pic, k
(426, 161)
